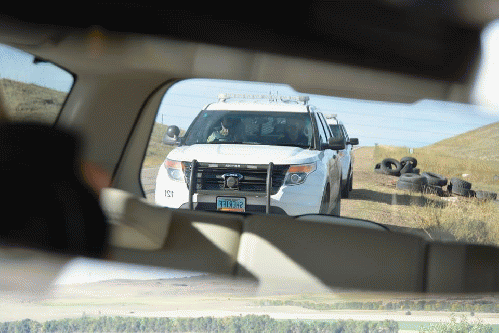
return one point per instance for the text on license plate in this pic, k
(231, 204)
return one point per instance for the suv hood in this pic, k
(244, 154)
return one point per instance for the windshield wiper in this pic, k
(235, 142)
(292, 145)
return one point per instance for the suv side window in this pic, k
(345, 134)
(329, 133)
(322, 130)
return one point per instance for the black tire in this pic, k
(325, 201)
(409, 159)
(377, 168)
(433, 189)
(408, 186)
(435, 179)
(486, 195)
(345, 190)
(337, 209)
(406, 168)
(415, 171)
(413, 178)
(463, 192)
(386, 167)
(456, 182)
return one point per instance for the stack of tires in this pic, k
(463, 188)
(460, 187)
(392, 167)
(427, 182)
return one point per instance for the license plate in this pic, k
(231, 204)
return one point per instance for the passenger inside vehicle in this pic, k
(294, 133)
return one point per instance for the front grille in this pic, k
(209, 177)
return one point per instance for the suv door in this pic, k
(347, 161)
(331, 160)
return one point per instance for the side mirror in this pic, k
(173, 132)
(353, 141)
(171, 136)
(335, 144)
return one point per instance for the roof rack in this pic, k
(272, 98)
(331, 115)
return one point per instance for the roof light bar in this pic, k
(331, 115)
(273, 98)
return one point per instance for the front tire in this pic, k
(337, 207)
(345, 190)
(325, 202)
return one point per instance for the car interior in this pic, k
(382, 50)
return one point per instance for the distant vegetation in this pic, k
(249, 323)
(457, 326)
(421, 305)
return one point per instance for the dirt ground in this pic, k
(374, 196)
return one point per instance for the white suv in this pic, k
(254, 153)
(346, 156)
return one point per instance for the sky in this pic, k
(411, 125)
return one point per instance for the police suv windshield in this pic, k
(251, 127)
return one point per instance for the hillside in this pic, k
(480, 144)
(30, 102)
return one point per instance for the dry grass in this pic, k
(479, 144)
(30, 102)
(483, 174)
(156, 150)
(467, 219)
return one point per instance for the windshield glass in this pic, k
(260, 127)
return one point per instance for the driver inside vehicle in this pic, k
(227, 133)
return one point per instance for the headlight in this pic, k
(297, 174)
(175, 170)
